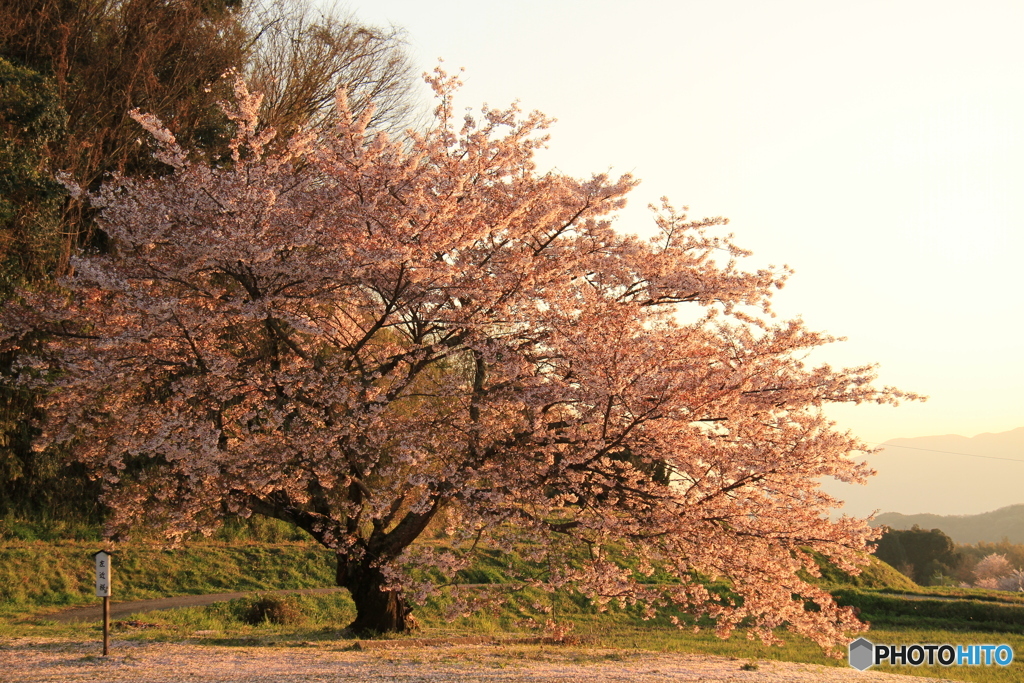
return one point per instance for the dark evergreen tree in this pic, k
(917, 552)
(32, 124)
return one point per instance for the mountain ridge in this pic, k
(944, 475)
(991, 527)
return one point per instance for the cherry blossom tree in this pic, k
(1014, 581)
(365, 337)
(992, 570)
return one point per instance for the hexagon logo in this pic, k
(862, 654)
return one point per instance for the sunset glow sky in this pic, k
(875, 147)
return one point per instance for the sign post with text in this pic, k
(103, 577)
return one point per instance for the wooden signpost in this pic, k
(103, 590)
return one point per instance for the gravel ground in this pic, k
(37, 660)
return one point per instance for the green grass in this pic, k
(37, 577)
(887, 610)
(323, 617)
(876, 575)
(981, 594)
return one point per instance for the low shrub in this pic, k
(274, 609)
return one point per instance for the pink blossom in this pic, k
(372, 338)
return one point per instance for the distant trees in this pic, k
(71, 71)
(917, 552)
(931, 556)
(974, 553)
(102, 58)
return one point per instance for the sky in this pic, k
(877, 148)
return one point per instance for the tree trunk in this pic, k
(377, 611)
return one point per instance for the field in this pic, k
(40, 578)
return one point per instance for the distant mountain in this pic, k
(1007, 522)
(940, 475)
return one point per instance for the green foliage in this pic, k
(44, 495)
(918, 553)
(972, 554)
(32, 122)
(42, 485)
(109, 56)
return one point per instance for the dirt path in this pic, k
(123, 609)
(28, 660)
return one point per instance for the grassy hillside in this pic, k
(877, 575)
(37, 574)
(37, 577)
(936, 611)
